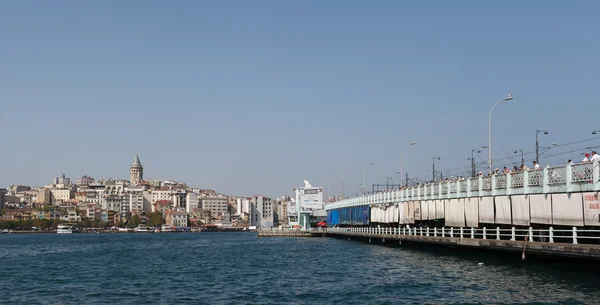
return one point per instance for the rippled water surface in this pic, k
(239, 268)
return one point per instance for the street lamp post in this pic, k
(522, 159)
(329, 188)
(433, 169)
(364, 173)
(402, 160)
(343, 173)
(537, 144)
(387, 183)
(473, 161)
(508, 98)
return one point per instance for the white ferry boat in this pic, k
(141, 229)
(64, 229)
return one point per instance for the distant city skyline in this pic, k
(255, 97)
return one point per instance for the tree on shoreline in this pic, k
(134, 221)
(155, 219)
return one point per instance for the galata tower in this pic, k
(136, 171)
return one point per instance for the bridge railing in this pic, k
(559, 179)
(572, 236)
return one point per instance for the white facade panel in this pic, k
(431, 209)
(418, 214)
(520, 210)
(455, 212)
(439, 209)
(472, 212)
(591, 209)
(540, 207)
(503, 213)
(424, 210)
(486, 210)
(411, 212)
(567, 209)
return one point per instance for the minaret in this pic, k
(136, 171)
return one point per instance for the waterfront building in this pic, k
(27, 197)
(61, 194)
(71, 216)
(162, 206)
(15, 189)
(20, 214)
(261, 211)
(44, 197)
(85, 180)
(192, 202)
(115, 187)
(113, 203)
(61, 180)
(136, 172)
(168, 193)
(175, 218)
(215, 204)
(232, 205)
(104, 216)
(281, 211)
(138, 201)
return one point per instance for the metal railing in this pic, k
(571, 236)
(559, 179)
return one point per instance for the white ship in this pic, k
(141, 229)
(64, 229)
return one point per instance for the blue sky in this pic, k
(252, 97)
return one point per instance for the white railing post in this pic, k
(472, 233)
(403, 231)
(421, 229)
(545, 180)
(512, 234)
(434, 232)
(551, 235)
(452, 232)
(497, 233)
(596, 175)
(574, 235)
(443, 232)
(461, 232)
(484, 233)
(427, 231)
(530, 234)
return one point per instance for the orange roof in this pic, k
(163, 202)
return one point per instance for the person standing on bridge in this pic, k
(594, 157)
(586, 159)
(536, 166)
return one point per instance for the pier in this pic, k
(556, 209)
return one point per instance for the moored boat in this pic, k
(64, 229)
